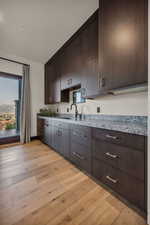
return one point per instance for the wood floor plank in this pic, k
(39, 187)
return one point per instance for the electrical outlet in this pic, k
(67, 109)
(98, 109)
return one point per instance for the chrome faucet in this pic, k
(76, 110)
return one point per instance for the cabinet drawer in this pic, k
(81, 135)
(124, 158)
(80, 155)
(129, 140)
(127, 186)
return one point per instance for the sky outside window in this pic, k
(8, 90)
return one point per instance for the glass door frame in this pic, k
(16, 138)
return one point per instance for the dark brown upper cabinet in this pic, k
(52, 82)
(70, 63)
(89, 40)
(53, 93)
(123, 42)
(108, 52)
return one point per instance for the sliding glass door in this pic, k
(10, 94)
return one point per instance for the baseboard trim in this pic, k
(9, 140)
(13, 139)
(35, 138)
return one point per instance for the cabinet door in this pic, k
(80, 147)
(55, 140)
(90, 58)
(52, 82)
(123, 42)
(79, 155)
(46, 138)
(40, 128)
(64, 59)
(50, 134)
(71, 64)
(129, 187)
(56, 83)
(49, 71)
(65, 143)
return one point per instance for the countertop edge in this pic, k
(114, 126)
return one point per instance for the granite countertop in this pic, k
(127, 124)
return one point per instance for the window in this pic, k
(10, 88)
(77, 97)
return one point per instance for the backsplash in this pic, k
(125, 104)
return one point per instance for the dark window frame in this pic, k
(82, 100)
(16, 138)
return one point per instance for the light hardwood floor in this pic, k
(39, 187)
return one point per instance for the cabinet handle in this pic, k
(69, 81)
(111, 137)
(111, 179)
(101, 81)
(78, 156)
(111, 155)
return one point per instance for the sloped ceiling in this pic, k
(36, 29)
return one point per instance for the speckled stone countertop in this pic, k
(127, 124)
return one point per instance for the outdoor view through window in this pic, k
(9, 98)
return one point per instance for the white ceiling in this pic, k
(36, 29)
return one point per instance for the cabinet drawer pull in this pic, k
(111, 137)
(99, 85)
(101, 81)
(111, 155)
(78, 156)
(111, 179)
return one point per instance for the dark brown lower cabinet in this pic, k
(60, 139)
(55, 139)
(128, 160)
(81, 156)
(80, 147)
(129, 187)
(65, 143)
(40, 128)
(116, 159)
(47, 136)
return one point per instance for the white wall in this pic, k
(125, 104)
(37, 83)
